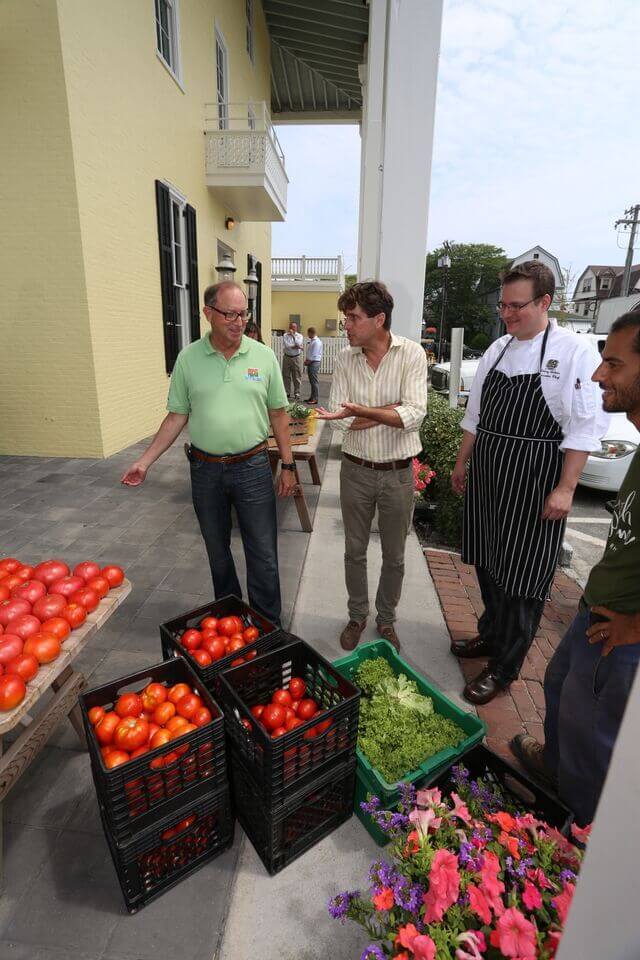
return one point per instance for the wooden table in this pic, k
(306, 452)
(66, 684)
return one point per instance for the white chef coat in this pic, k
(314, 350)
(572, 397)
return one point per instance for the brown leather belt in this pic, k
(192, 451)
(389, 465)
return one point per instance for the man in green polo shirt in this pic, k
(589, 678)
(229, 388)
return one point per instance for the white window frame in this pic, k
(586, 285)
(174, 64)
(605, 283)
(250, 31)
(222, 72)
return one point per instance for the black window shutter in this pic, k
(192, 257)
(169, 304)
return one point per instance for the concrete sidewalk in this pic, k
(293, 921)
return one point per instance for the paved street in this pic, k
(587, 529)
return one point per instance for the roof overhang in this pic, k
(316, 49)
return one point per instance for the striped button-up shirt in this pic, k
(401, 378)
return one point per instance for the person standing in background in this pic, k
(292, 361)
(312, 363)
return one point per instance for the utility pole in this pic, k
(444, 262)
(630, 219)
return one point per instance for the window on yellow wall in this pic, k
(167, 34)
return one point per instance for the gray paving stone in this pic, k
(26, 850)
(45, 794)
(31, 951)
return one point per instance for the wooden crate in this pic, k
(298, 431)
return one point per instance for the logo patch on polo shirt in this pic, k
(252, 374)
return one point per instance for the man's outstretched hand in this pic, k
(135, 475)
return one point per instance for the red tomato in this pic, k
(177, 691)
(228, 626)
(95, 715)
(100, 585)
(10, 609)
(209, 623)
(52, 605)
(105, 728)
(236, 643)
(30, 590)
(25, 626)
(297, 688)
(188, 705)
(86, 597)
(258, 710)
(11, 581)
(153, 695)
(306, 709)
(202, 658)
(131, 733)
(115, 758)
(176, 723)
(202, 717)
(129, 705)
(75, 614)
(237, 661)
(43, 646)
(295, 705)
(24, 665)
(246, 724)
(138, 753)
(87, 570)
(250, 634)
(153, 729)
(311, 733)
(160, 738)
(214, 647)
(10, 647)
(278, 731)
(25, 573)
(283, 697)
(50, 570)
(289, 714)
(164, 712)
(273, 716)
(251, 654)
(191, 639)
(12, 691)
(114, 574)
(293, 723)
(65, 586)
(5, 593)
(9, 565)
(58, 626)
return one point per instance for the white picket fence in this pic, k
(332, 346)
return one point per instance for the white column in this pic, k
(399, 85)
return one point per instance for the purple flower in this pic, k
(460, 775)
(372, 953)
(408, 896)
(381, 874)
(338, 906)
(567, 876)
(407, 794)
(370, 806)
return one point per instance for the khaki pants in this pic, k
(292, 370)
(361, 491)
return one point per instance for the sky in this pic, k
(536, 141)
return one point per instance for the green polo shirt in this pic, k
(227, 401)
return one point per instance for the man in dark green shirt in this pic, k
(589, 678)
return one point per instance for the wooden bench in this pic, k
(306, 452)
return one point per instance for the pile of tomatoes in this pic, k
(216, 638)
(39, 607)
(140, 722)
(167, 858)
(289, 708)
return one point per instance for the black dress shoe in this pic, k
(483, 688)
(476, 647)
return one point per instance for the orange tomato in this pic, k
(188, 705)
(95, 715)
(176, 723)
(43, 646)
(58, 626)
(163, 713)
(129, 705)
(160, 738)
(178, 691)
(12, 691)
(105, 728)
(202, 717)
(115, 758)
(153, 695)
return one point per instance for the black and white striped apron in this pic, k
(515, 464)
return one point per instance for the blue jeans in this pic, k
(585, 697)
(248, 486)
(313, 369)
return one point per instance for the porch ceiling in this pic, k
(316, 47)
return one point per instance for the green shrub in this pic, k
(440, 435)
(480, 342)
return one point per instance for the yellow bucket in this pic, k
(312, 423)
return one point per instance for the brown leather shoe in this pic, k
(483, 688)
(530, 753)
(388, 632)
(350, 636)
(476, 647)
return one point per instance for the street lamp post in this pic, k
(444, 262)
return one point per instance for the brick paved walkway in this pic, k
(521, 707)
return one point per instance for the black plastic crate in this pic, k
(158, 859)
(270, 636)
(292, 761)
(523, 792)
(134, 795)
(281, 835)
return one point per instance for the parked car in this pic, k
(440, 375)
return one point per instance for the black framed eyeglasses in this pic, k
(516, 307)
(230, 315)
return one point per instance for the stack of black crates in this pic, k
(168, 811)
(291, 791)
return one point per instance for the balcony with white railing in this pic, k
(244, 161)
(295, 273)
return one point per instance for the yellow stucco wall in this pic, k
(314, 308)
(128, 123)
(48, 401)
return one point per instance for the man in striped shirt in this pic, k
(378, 400)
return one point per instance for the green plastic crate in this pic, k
(368, 779)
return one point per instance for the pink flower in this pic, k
(478, 903)
(490, 885)
(473, 941)
(406, 936)
(580, 833)
(517, 935)
(552, 942)
(531, 897)
(460, 809)
(425, 820)
(539, 877)
(424, 948)
(422, 474)
(384, 899)
(563, 901)
(428, 798)
(444, 886)
(528, 822)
